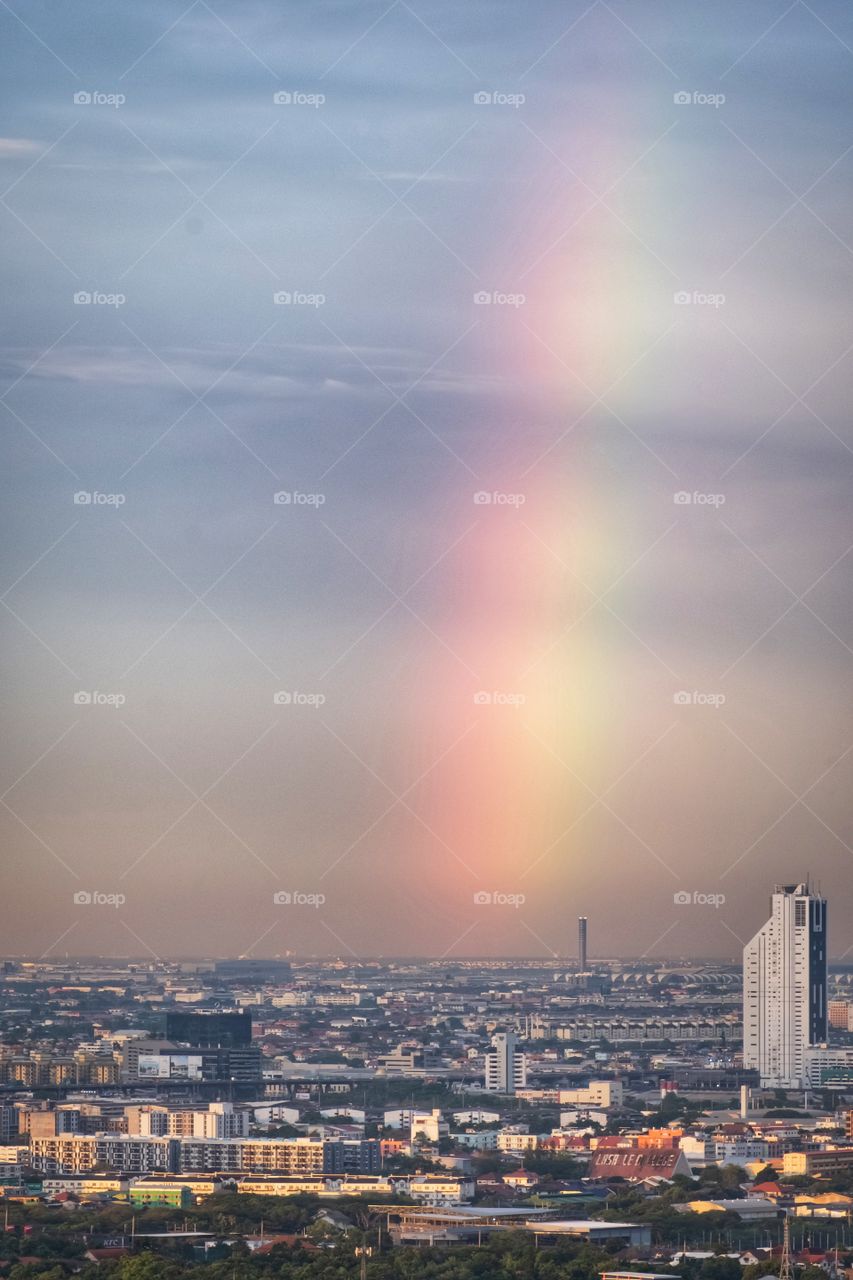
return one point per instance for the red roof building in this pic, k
(636, 1166)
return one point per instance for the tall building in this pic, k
(209, 1030)
(582, 923)
(506, 1068)
(841, 1015)
(784, 987)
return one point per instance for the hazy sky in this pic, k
(542, 272)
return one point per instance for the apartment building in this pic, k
(506, 1066)
(80, 1152)
(810, 1163)
(785, 987)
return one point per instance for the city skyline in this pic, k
(426, 472)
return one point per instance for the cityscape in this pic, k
(653, 1117)
(425, 572)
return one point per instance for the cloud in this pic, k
(11, 148)
(267, 372)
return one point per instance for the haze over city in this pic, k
(425, 616)
(426, 476)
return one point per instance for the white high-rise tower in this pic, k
(784, 987)
(506, 1068)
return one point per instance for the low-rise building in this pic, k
(810, 1163)
(509, 1140)
(93, 1186)
(171, 1195)
(434, 1189)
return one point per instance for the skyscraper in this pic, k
(784, 987)
(506, 1068)
(582, 944)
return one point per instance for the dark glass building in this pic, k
(209, 1030)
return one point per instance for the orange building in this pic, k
(660, 1139)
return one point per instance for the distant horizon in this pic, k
(566, 962)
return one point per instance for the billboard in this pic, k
(170, 1066)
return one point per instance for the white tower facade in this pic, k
(506, 1068)
(784, 987)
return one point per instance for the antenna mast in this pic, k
(786, 1271)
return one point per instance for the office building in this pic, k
(158, 1061)
(826, 1066)
(582, 959)
(209, 1030)
(784, 987)
(9, 1121)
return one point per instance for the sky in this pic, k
(426, 475)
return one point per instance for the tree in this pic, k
(721, 1268)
